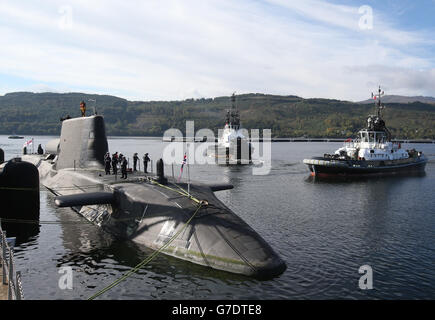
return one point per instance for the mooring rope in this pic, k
(183, 192)
(147, 259)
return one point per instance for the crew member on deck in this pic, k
(40, 150)
(146, 159)
(107, 162)
(135, 159)
(115, 163)
(124, 168)
(83, 108)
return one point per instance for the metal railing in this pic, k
(13, 280)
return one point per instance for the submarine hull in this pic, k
(160, 217)
(216, 237)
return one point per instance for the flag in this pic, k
(184, 162)
(28, 143)
(348, 140)
(182, 165)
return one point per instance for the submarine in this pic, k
(19, 198)
(186, 222)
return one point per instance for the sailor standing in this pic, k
(135, 159)
(83, 108)
(146, 159)
(115, 163)
(124, 168)
(107, 162)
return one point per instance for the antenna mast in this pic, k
(233, 101)
(378, 104)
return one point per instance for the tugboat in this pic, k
(232, 145)
(371, 153)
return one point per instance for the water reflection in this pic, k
(351, 179)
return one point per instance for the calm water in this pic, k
(324, 230)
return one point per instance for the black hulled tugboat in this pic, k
(371, 153)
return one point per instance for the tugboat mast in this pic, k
(378, 104)
(233, 101)
(233, 119)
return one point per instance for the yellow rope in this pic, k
(148, 259)
(183, 193)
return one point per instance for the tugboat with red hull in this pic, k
(371, 153)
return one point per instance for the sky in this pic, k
(173, 50)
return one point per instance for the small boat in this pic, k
(15, 137)
(233, 147)
(371, 153)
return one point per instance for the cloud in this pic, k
(400, 80)
(180, 49)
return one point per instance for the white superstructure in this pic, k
(372, 145)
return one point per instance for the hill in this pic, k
(403, 99)
(29, 113)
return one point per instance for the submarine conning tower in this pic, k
(83, 143)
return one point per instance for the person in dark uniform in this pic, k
(135, 159)
(115, 163)
(40, 150)
(83, 108)
(124, 168)
(146, 159)
(107, 162)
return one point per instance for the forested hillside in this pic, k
(287, 116)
